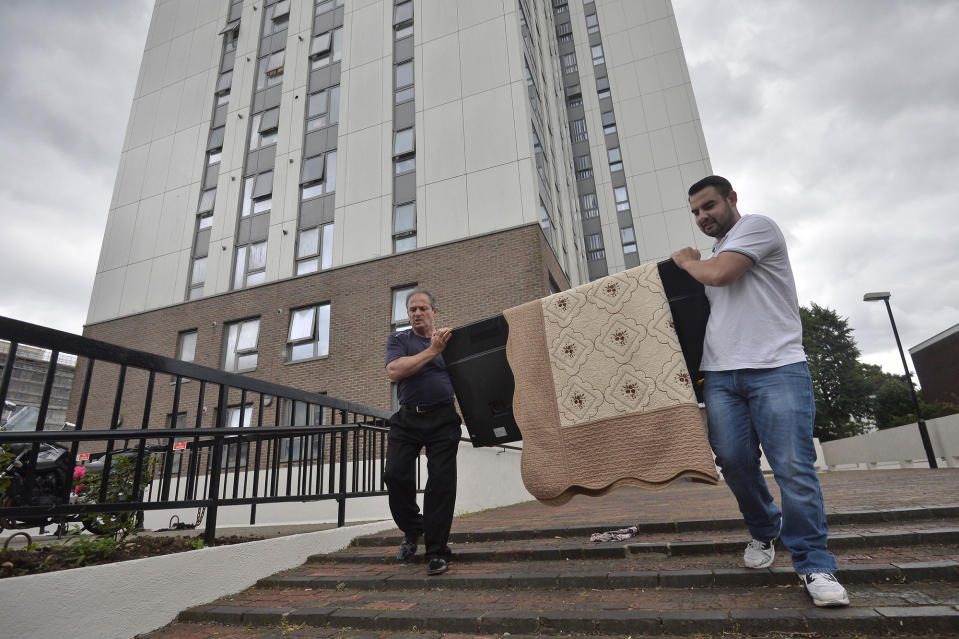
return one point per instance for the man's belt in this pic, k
(425, 409)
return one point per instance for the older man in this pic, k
(757, 389)
(427, 418)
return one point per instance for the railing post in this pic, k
(209, 538)
(341, 500)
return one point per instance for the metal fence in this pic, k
(262, 442)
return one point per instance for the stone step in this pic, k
(563, 548)
(876, 609)
(516, 576)
(898, 515)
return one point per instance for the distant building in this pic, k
(937, 366)
(30, 367)
(291, 169)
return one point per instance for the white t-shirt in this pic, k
(754, 322)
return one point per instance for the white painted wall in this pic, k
(899, 447)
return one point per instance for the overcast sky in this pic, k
(838, 118)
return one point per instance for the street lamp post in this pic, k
(923, 431)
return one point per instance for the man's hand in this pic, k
(440, 339)
(684, 256)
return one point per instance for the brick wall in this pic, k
(471, 279)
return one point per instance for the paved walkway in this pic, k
(844, 491)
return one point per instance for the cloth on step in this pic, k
(603, 397)
(620, 534)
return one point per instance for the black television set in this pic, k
(483, 381)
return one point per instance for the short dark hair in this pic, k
(722, 185)
(419, 290)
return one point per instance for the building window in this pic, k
(592, 23)
(322, 6)
(326, 48)
(545, 220)
(577, 130)
(622, 198)
(197, 278)
(404, 227)
(207, 199)
(239, 351)
(318, 176)
(257, 194)
(609, 122)
(602, 88)
(323, 108)
(629, 239)
(403, 32)
(223, 82)
(564, 32)
(594, 247)
(186, 346)
(615, 160)
(560, 6)
(400, 318)
(404, 165)
(584, 166)
(235, 455)
(574, 100)
(263, 128)
(270, 70)
(309, 335)
(403, 142)
(229, 38)
(250, 265)
(404, 82)
(569, 63)
(314, 249)
(276, 18)
(597, 53)
(590, 205)
(403, 13)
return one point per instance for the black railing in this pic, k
(261, 443)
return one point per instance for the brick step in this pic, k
(517, 576)
(875, 609)
(845, 538)
(391, 538)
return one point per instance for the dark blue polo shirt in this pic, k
(429, 385)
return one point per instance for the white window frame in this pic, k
(234, 351)
(312, 341)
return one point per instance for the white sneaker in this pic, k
(824, 589)
(759, 554)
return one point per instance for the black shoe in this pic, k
(437, 566)
(407, 549)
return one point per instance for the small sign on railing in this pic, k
(179, 445)
(83, 457)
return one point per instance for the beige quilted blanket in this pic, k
(603, 397)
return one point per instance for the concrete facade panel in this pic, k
(143, 241)
(440, 20)
(442, 211)
(489, 129)
(136, 281)
(494, 198)
(483, 61)
(438, 81)
(442, 140)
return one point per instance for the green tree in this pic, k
(844, 406)
(892, 401)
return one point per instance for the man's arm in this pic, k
(722, 270)
(403, 367)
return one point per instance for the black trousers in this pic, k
(439, 431)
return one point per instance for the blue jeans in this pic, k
(774, 407)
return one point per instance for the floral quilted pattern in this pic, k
(608, 342)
